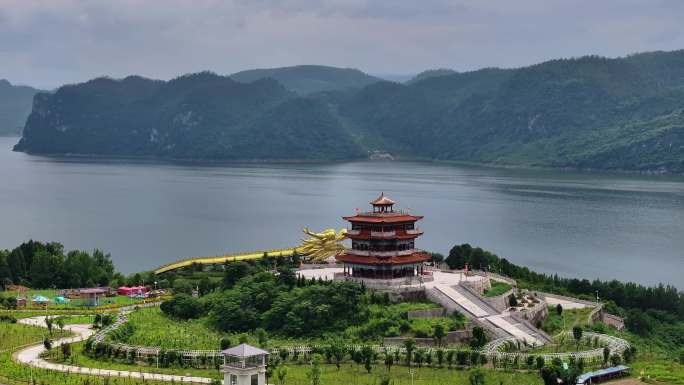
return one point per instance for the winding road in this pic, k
(31, 356)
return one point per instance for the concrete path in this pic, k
(31, 356)
(460, 299)
(512, 329)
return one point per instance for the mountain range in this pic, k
(586, 113)
(15, 107)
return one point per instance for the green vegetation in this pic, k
(12, 373)
(44, 265)
(307, 79)
(151, 327)
(497, 288)
(399, 375)
(13, 335)
(589, 113)
(569, 318)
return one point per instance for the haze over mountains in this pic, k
(590, 112)
(15, 107)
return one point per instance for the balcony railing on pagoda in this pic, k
(393, 253)
(384, 234)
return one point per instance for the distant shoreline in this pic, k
(215, 162)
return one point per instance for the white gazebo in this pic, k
(244, 365)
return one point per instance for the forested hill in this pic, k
(590, 112)
(15, 106)
(307, 79)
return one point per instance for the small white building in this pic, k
(244, 365)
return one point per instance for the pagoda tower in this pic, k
(383, 243)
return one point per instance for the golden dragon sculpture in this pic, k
(320, 246)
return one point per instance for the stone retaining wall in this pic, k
(427, 313)
(614, 321)
(453, 337)
(499, 302)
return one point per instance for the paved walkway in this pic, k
(31, 356)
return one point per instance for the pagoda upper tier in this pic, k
(383, 222)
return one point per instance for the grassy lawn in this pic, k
(79, 358)
(153, 328)
(659, 372)
(105, 302)
(330, 375)
(497, 288)
(12, 373)
(566, 343)
(78, 319)
(14, 335)
(567, 320)
(353, 375)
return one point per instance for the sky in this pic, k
(48, 43)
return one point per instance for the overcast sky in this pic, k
(52, 42)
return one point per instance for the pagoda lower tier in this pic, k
(384, 267)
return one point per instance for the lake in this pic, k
(149, 213)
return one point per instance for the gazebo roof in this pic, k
(244, 350)
(382, 200)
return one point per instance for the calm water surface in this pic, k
(148, 213)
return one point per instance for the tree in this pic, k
(577, 334)
(226, 343)
(549, 375)
(559, 309)
(418, 357)
(476, 377)
(262, 337)
(66, 350)
(47, 343)
(462, 358)
(368, 356)
(205, 286)
(439, 334)
(183, 306)
(512, 301)
(450, 358)
(389, 360)
(639, 323)
(314, 373)
(280, 375)
(17, 265)
(458, 256)
(48, 324)
(409, 347)
(336, 350)
(233, 272)
(182, 286)
(440, 357)
(287, 277)
(479, 338)
(60, 322)
(436, 258)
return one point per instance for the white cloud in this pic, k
(47, 43)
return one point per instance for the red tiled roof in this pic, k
(382, 200)
(364, 260)
(387, 218)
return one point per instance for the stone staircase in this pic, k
(499, 325)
